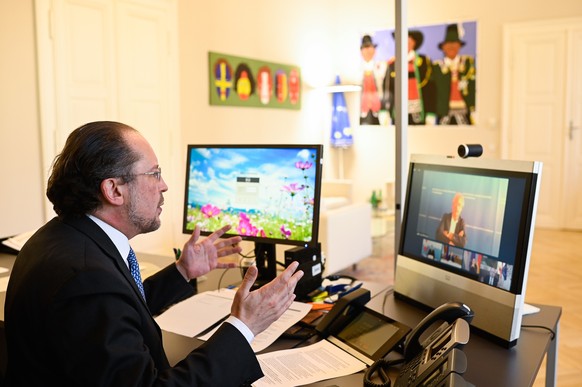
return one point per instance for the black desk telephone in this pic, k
(435, 360)
(362, 332)
(342, 311)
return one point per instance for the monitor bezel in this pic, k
(509, 168)
(430, 286)
(318, 165)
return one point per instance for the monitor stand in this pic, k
(266, 261)
(529, 309)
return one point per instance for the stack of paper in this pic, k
(211, 308)
(16, 242)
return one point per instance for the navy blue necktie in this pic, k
(134, 269)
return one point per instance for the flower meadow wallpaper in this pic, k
(262, 192)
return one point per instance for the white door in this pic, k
(112, 60)
(542, 108)
(573, 149)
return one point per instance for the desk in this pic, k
(488, 364)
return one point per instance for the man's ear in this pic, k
(113, 191)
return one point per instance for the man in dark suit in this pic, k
(451, 229)
(76, 316)
(453, 83)
(419, 72)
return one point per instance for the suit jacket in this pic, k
(74, 317)
(421, 74)
(445, 224)
(441, 90)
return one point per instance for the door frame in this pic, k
(52, 116)
(508, 96)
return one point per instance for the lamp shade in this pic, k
(341, 130)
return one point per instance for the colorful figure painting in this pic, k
(236, 81)
(441, 75)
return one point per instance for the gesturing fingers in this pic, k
(195, 235)
(260, 308)
(218, 233)
(289, 278)
(228, 246)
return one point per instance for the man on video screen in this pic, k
(451, 229)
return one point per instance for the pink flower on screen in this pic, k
(293, 188)
(286, 232)
(209, 210)
(303, 165)
(245, 227)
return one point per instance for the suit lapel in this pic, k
(95, 233)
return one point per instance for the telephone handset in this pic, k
(438, 358)
(434, 360)
(449, 312)
(342, 311)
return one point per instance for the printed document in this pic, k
(299, 366)
(16, 242)
(4, 283)
(295, 313)
(196, 314)
(206, 310)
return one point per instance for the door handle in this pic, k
(571, 129)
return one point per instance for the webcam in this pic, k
(470, 150)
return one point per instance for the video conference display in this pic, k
(468, 221)
(263, 192)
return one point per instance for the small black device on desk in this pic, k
(309, 259)
(362, 332)
(436, 360)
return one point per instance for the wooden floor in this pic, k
(555, 278)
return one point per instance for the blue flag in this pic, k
(341, 131)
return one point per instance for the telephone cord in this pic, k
(380, 366)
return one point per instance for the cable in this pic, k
(248, 255)
(243, 257)
(552, 332)
(221, 276)
(386, 294)
(380, 367)
(335, 277)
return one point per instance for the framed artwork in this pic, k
(238, 81)
(442, 75)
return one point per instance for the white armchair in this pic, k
(345, 228)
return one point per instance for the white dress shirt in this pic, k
(122, 244)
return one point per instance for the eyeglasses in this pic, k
(157, 174)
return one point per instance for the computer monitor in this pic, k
(269, 194)
(466, 235)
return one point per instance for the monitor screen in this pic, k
(267, 193)
(471, 221)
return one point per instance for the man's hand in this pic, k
(260, 308)
(198, 258)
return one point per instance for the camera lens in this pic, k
(470, 150)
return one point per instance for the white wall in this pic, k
(321, 36)
(21, 196)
